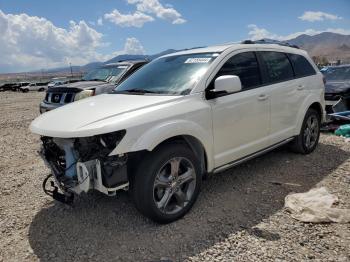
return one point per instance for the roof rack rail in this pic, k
(134, 60)
(266, 41)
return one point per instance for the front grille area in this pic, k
(68, 98)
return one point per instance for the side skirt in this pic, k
(249, 157)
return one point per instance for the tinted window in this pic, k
(109, 73)
(301, 66)
(278, 66)
(246, 67)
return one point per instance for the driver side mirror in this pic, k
(223, 85)
(228, 83)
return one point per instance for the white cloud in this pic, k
(100, 21)
(30, 43)
(257, 33)
(313, 16)
(133, 47)
(156, 8)
(137, 19)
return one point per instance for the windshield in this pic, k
(174, 75)
(337, 73)
(108, 74)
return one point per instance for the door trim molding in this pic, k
(251, 156)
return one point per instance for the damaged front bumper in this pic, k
(78, 170)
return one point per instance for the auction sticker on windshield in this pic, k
(199, 60)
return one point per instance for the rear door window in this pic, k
(246, 67)
(301, 66)
(278, 67)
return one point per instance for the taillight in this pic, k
(324, 80)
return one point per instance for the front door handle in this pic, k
(300, 87)
(263, 97)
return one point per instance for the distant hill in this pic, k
(330, 45)
(116, 59)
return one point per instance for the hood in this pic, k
(97, 115)
(337, 87)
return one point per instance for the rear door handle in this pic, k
(263, 97)
(300, 87)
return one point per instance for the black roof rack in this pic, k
(267, 41)
(134, 60)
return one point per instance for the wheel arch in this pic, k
(318, 107)
(198, 138)
(194, 144)
(310, 102)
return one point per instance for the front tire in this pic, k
(307, 140)
(167, 183)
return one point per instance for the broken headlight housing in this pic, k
(84, 94)
(99, 146)
(82, 149)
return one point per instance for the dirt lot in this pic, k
(239, 215)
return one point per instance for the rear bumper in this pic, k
(45, 107)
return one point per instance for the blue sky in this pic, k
(39, 34)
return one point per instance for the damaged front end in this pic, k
(82, 164)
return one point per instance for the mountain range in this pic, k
(332, 46)
(329, 45)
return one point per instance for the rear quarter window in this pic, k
(278, 67)
(301, 65)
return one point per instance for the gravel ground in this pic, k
(239, 215)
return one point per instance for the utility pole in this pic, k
(71, 69)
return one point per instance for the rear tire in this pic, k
(307, 140)
(25, 90)
(167, 182)
(41, 90)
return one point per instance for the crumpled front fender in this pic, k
(150, 138)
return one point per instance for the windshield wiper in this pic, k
(136, 91)
(94, 79)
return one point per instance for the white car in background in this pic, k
(40, 87)
(180, 117)
(57, 81)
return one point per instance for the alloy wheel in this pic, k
(174, 185)
(311, 131)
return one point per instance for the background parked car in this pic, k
(34, 87)
(337, 87)
(7, 87)
(17, 86)
(99, 81)
(58, 81)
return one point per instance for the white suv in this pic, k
(180, 117)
